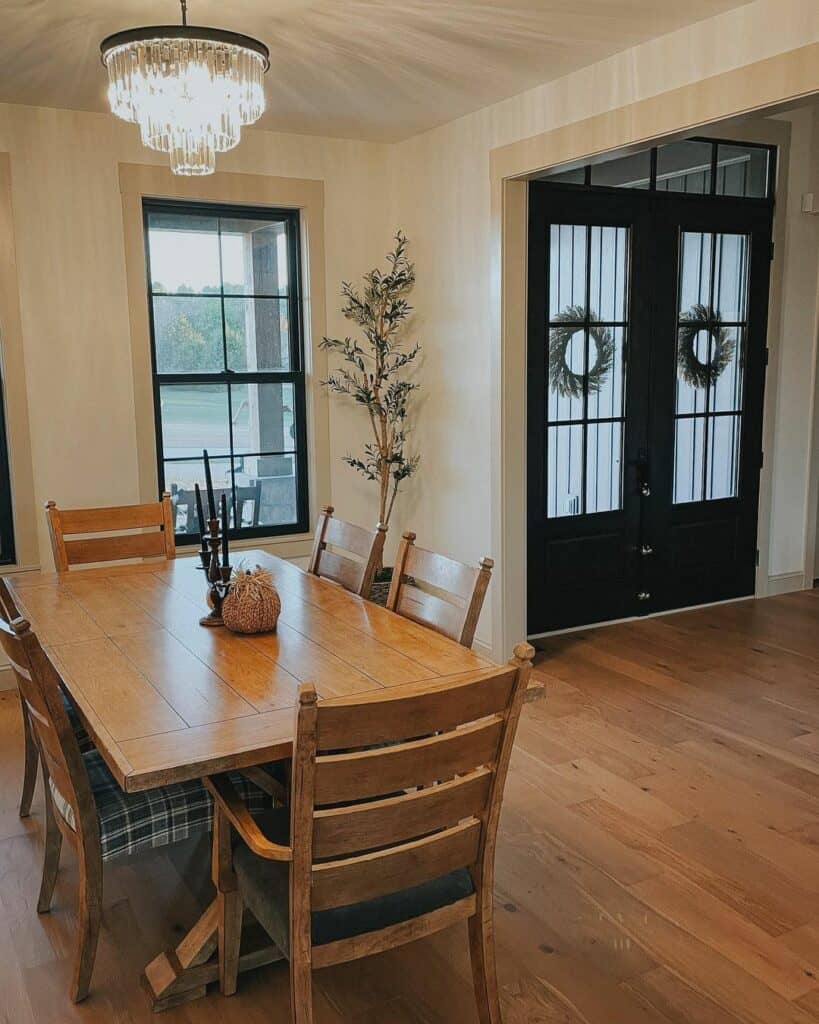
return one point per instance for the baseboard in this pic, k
(785, 583)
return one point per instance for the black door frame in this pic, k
(606, 205)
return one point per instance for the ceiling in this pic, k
(368, 69)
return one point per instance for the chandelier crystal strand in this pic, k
(189, 89)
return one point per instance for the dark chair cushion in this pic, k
(264, 887)
(156, 817)
(84, 740)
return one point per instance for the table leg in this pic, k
(181, 975)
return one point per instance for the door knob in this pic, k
(646, 549)
(643, 596)
(645, 490)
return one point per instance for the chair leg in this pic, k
(51, 858)
(90, 915)
(31, 759)
(484, 976)
(301, 992)
(230, 940)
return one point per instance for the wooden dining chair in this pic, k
(84, 803)
(453, 604)
(9, 611)
(357, 574)
(383, 843)
(63, 523)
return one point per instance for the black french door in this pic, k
(646, 369)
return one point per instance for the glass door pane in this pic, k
(711, 329)
(587, 331)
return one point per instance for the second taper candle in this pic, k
(225, 560)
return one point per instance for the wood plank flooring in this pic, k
(658, 861)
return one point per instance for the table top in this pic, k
(166, 699)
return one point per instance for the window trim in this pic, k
(19, 494)
(295, 375)
(306, 198)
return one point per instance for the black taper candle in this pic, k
(225, 558)
(200, 514)
(209, 485)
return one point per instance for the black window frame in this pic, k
(7, 551)
(296, 375)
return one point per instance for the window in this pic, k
(743, 170)
(6, 522)
(228, 364)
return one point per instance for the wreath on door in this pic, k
(564, 380)
(694, 372)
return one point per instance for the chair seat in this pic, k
(156, 817)
(264, 888)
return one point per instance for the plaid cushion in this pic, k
(84, 740)
(157, 817)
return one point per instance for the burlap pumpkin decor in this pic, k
(252, 604)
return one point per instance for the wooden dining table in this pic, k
(166, 699)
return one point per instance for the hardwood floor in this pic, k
(658, 861)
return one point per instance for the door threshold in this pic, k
(637, 618)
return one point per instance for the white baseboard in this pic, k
(786, 583)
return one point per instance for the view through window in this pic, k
(223, 286)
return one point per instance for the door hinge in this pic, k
(767, 356)
(773, 247)
(761, 459)
(756, 556)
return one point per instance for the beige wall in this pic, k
(73, 299)
(441, 197)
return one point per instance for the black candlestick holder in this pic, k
(218, 575)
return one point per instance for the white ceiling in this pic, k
(369, 69)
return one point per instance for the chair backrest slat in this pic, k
(442, 572)
(453, 604)
(344, 830)
(340, 882)
(112, 549)
(106, 520)
(366, 773)
(398, 788)
(64, 523)
(40, 689)
(354, 574)
(412, 711)
(423, 607)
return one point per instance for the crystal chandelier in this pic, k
(189, 89)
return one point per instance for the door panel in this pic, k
(582, 453)
(705, 416)
(647, 325)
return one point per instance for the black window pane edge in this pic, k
(293, 376)
(7, 552)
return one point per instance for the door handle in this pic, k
(646, 549)
(645, 490)
(644, 595)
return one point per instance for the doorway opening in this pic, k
(647, 321)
